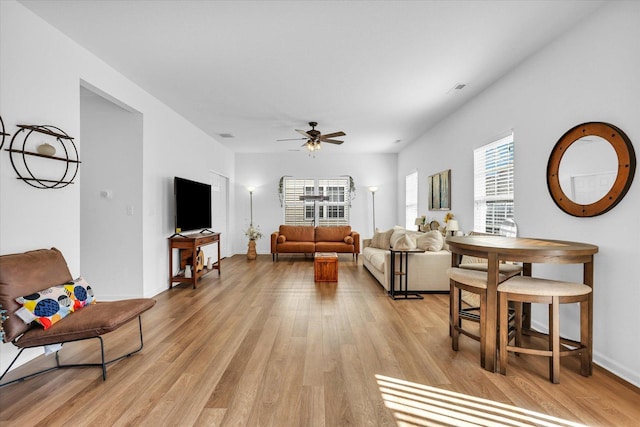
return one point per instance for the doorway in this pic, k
(220, 209)
(110, 195)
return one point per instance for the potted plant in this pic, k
(253, 233)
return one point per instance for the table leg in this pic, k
(526, 307)
(489, 335)
(194, 275)
(406, 274)
(587, 276)
(170, 266)
(392, 285)
(455, 262)
(219, 269)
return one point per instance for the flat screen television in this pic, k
(192, 204)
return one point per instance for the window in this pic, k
(411, 199)
(493, 185)
(327, 201)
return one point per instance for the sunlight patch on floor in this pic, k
(420, 405)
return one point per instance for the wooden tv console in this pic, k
(188, 247)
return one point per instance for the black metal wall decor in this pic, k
(2, 133)
(35, 147)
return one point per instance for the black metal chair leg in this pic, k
(103, 363)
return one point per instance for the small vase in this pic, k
(251, 252)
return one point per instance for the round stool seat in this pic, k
(508, 270)
(474, 278)
(543, 287)
(520, 290)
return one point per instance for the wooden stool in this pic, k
(478, 264)
(532, 290)
(474, 282)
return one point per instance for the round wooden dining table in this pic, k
(496, 249)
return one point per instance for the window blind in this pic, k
(493, 184)
(411, 199)
(333, 209)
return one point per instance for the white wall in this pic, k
(40, 80)
(263, 171)
(590, 74)
(112, 143)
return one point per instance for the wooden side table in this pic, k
(188, 246)
(325, 266)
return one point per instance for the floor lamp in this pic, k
(251, 203)
(373, 201)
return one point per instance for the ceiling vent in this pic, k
(225, 135)
(457, 87)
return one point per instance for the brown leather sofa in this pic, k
(307, 239)
(27, 273)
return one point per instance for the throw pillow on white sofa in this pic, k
(381, 239)
(430, 241)
(405, 243)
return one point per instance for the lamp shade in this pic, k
(419, 221)
(452, 225)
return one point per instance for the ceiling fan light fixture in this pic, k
(313, 145)
(314, 138)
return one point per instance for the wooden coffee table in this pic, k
(325, 266)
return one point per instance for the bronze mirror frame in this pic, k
(626, 168)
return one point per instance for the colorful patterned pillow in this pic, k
(45, 307)
(80, 292)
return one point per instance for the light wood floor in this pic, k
(264, 345)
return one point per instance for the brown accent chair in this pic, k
(26, 273)
(307, 239)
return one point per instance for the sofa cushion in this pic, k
(375, 257)
(332, 234)
(282, 238)
(297, 247)
(24, 274)
(382, 239)
(348, 240)
(430, 241)
(298, 233)
(91, 321)
(340, 247)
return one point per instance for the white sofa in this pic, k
(427, 271)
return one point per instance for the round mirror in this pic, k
(590, 169)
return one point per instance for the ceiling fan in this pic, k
(314, 137)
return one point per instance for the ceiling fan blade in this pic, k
(291, 139)
(332, 141)
(303, 132)
(332, 135)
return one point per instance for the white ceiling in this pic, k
(381, 71)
